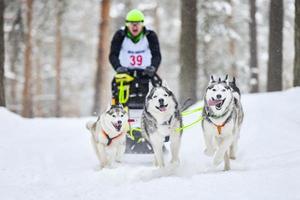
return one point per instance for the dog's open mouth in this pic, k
(216, 102)
(162, 108)
(117, 126)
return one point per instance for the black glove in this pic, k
(122, 70)
(150, 71)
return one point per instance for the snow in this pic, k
(53, 159)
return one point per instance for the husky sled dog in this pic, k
(160, 119)
(223, 115)
(109, 135)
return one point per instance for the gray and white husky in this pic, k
(160, 119)
(109, 135)
(223, 115)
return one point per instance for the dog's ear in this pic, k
(212, 80)
(108, 107)
(165, 84)
(232, 83)
(119, 105)
(150, 92)
(226, 78)
(219, 80)
(150, 86)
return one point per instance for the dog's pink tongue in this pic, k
(162, 109)
(213, 102)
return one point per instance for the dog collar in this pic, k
(217, 116)
(109, 139)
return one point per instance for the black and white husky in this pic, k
(160, 119)
(109, 135)
(223, 115)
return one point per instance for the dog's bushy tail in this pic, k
(89, 125)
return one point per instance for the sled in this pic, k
(132, 94)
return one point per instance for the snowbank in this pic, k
(53, 159)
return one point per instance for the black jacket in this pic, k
(117, 41)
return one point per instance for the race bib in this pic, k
(135, 55)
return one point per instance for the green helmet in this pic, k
(135, 15)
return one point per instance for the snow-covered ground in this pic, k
(53, 159)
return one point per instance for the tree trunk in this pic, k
(232, 43)
(156, 19)
(254, 83)
(15, 39)
(275, 46)
(188, 50)
(58, 56)
(297, 44)
(38, 82)
(102, 84)
(27, 93)
(2, 53)
(205, 48)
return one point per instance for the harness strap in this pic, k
(219, 127)
(109, 139)
(168, 122)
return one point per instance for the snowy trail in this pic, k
(53, 159)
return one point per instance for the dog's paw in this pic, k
(159, 165)
(98, 168)
(232, 155)
(175, 162)
(209, 152)
(226, 168)
(89, 125)
(217, 160)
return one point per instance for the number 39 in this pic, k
(136, 60)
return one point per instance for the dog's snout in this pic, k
(119, 122)
(161, 101)
(219, 96)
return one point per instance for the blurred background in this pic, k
(56, 51)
